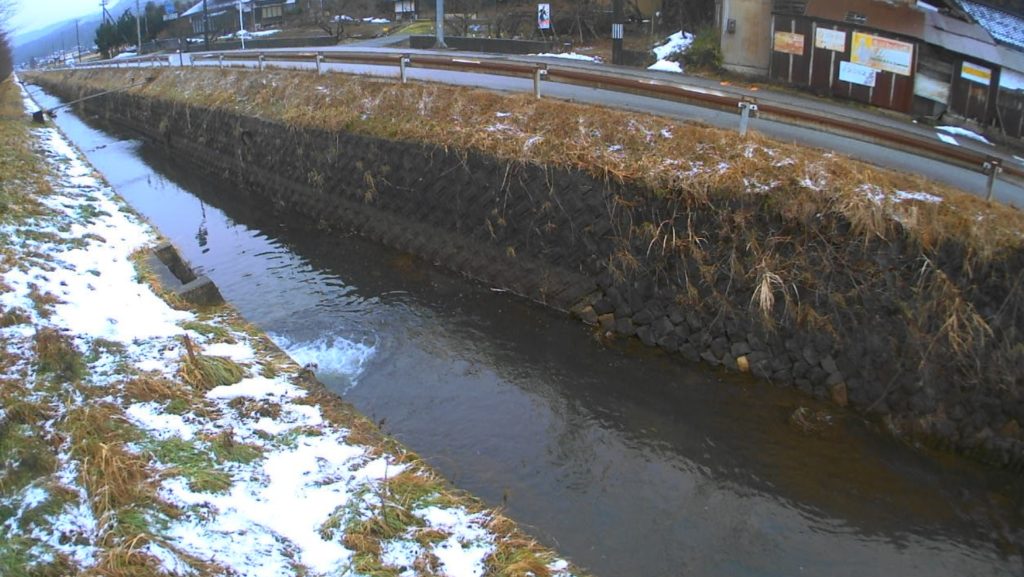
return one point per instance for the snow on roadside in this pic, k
(666, 66)
(677, 43)
(569, 56)
(957, 131)
(304, 473)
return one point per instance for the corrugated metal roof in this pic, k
(1003, 26)
(965, 38)
(896, 18)
(212, 5)
(1011, 58)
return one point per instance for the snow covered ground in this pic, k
(570, 56)
(677, 43)
(963, 132)
(253, 476)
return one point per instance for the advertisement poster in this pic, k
(882, 54)
(789, 43)
(544, 16)
(857, 74)
(976, 73)
(834, 40)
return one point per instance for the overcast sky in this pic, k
(32, 14)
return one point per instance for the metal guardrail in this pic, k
(602, 80)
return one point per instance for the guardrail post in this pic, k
(261, 61)
(991, 167)
(403, 63)
(220, 60)
(746, 109)
(319, 63)
(537, 73)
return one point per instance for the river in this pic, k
(629, 462)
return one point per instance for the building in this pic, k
(222, 15)
(944, 58)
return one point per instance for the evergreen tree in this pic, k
(6, 55)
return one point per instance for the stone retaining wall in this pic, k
(577, 243)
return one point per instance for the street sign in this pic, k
(544, 16)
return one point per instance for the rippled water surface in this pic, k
(630, 463)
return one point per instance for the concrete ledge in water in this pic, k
(177, 276)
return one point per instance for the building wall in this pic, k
(748, 47)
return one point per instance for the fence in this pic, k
(610, 80)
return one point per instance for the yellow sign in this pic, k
(882, 53)
(976, 73)
(789, 43)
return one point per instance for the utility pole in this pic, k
(617, 31)
(241, 24)
(138, 30)
(206, 26)
(439, 25)
(78, 43)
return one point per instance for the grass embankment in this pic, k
(689, 161)
(917, 285)
(137, 439)
(816, 194)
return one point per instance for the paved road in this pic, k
(1007, 191)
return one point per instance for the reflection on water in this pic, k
(629, 462)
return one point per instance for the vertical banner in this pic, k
(544, 16)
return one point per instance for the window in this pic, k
(271, 12)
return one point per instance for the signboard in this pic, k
(976, 73)
(857, 74)
(789, 43)
(931, 88)
(544, 16)
(616, 31)
(882, 53)
(834, 40)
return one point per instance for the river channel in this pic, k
(627, 461)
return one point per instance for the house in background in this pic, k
(222, 15)
(926, 59)
(745, 27)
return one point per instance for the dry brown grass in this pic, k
(694, 163)
(56, 356)
(21, 171)
(203, 372)
(114, 477)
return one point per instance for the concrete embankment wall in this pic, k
(880, 340)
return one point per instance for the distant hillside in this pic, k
(42, 43)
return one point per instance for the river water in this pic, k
(628, 462)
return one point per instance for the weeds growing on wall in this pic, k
(791, 236)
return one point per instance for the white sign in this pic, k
(857, 74)
(976, 73)
(616, 31)
(834, 40)
(931, 88)
(544, 16)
